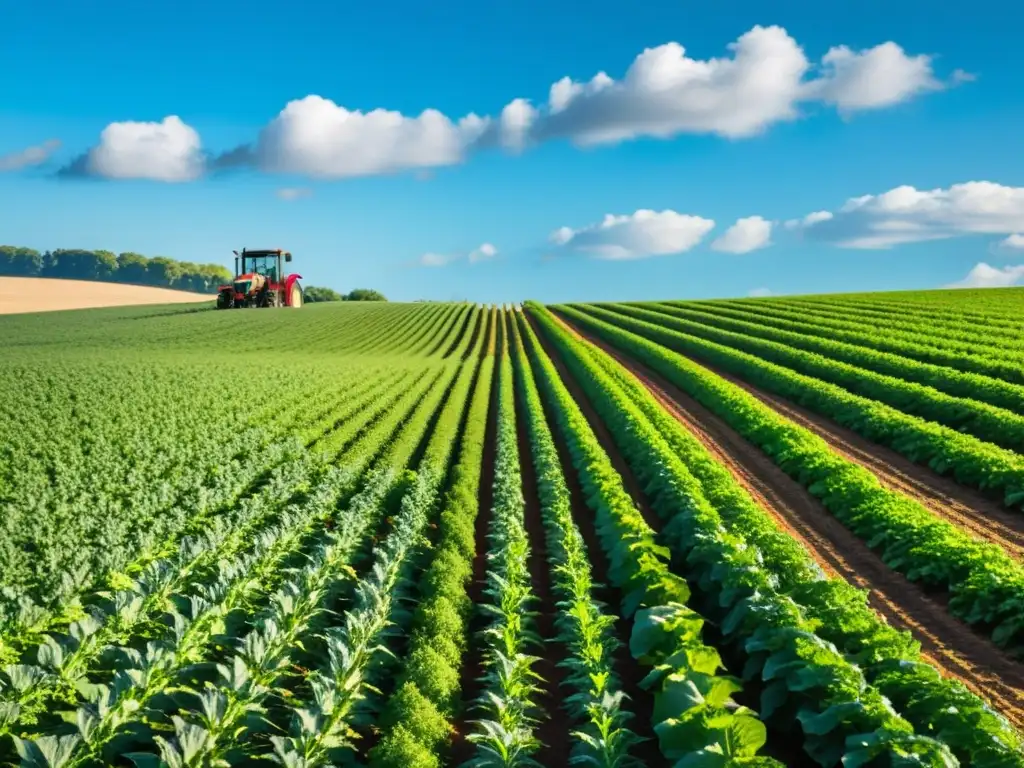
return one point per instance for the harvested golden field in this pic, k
(41, 294)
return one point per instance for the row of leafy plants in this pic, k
(507, 711)
(596, 702)
(891, 660)
(138, 610)
(982, 580)
(91, 487)
(921, 341)
(697, 720)
(970, 461)
(269, 678)
(969, 417)
(332, 701)
(944, 378)
(807, 688)
(227, 518)
(418, 720)
(968, 312)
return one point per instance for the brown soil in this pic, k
(469, 678)
(554, 730)
(43, 294)
(947, 643)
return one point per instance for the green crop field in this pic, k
(698, 534)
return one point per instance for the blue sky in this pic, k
(402, 207)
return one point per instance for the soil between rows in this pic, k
(949, 644)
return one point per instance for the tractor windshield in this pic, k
(264, 265)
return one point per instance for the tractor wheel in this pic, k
(225, 300)
(295, 300)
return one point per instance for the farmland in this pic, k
(752, 532)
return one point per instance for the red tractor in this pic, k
(261, 282)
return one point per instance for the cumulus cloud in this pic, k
(746, 235)
(293, 193)
(984, 276)
(908, 215)
(873, 78)
(762, 81)
(166, 151)
(760, 293)
(315, 137)
(28, 157)
(435, 260)
(1014, 242)
(764, 78)
(809, 220)
(639, 235)
(483, 252)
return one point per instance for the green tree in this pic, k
(104, 265)
(80, 264)
(364, 294)
(16, 261)
(314, 293)
(163, 271)
(131, 268)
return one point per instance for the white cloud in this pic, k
(25, 158)
(1014, 242)
(636, 236)
(873, 78)
(908, 215)
(764, 78)
(166, 151)
(760, 293)
(809, 220)
(434, 259)
(984, 276)
(316, 137)
(746, 235)
(484, 252)
(293, 193)
(762, 81)
(517, 118)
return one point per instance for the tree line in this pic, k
(314, 293)
(134, 268)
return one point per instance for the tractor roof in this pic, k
(269, 252)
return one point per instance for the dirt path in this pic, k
(554, 730)
(946, 642)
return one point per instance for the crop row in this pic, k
(986, 422)
(983, 581)
(214, 577)
(837, 347)
(419, 716)
(666, 633)
(969, 460)
(63, 661)
(916, 341)
(891, 660)
(765, 630)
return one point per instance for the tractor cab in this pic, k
(260, 281)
